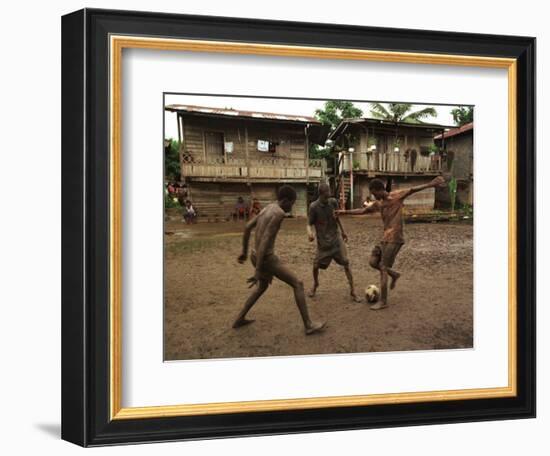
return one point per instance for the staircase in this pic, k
(346, 183)
(342, 189)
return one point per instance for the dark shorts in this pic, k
(269, 267)
(323, 259)
(387, 252)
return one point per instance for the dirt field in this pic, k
(205, 287)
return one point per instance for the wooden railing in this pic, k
(397, 162)
(261, 169)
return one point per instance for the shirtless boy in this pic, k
(390, 205)
(324, 223)
(267, 224)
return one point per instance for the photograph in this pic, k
(316, 226)
(268, 225)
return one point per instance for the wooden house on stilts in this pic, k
(404, 152)
(227, 153)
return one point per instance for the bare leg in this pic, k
(315, 281)
(259, 291)
(376, 263)
(384, 286)
(394, 275)
(383, 303)
(288, 277)
(349, 275)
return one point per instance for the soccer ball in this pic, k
(372, 293)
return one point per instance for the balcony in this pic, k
(393, 163)
(262, 170)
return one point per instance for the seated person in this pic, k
(240, 212)
(255, 208)
(189, 213)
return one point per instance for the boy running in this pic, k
(390, 205)
(267, 264)
(330, 238)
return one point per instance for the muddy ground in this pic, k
(205, 287)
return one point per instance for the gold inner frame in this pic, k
(117, 44)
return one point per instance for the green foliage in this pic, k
(170, 201)
(468, 210)
(452, 192)
(172, 161)
(335, 111)
(463, 115)
(356, 164)
(401, 112)
(433, 148)
(317, 152)
(332, 114)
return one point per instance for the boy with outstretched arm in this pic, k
(390, 206)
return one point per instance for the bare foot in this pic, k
(378, 306)
(394, 278)
(315, 328)
(242, 322)
(311, 294)
(354, 297)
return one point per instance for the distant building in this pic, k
(372, 148)
(227, 153)
(458, 145)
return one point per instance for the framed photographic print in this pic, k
(272, 227)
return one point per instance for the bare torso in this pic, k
(269, 219)
(391, 210)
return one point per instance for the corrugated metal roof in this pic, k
(457, 131)
(374, 121)
(382, 123)
(204, 110)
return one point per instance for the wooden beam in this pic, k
(246, 154)
(307, 155)
(182, 148)
(204, 144)
(368, 155)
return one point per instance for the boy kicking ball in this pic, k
(324, 223)
(390, 206)
(267, 264)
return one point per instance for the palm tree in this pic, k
(463, 115)
(400, 112)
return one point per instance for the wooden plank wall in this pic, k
(462, 148)
(300, 207)
(216, 201)
(291, 137)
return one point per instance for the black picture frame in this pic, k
(85, 227)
